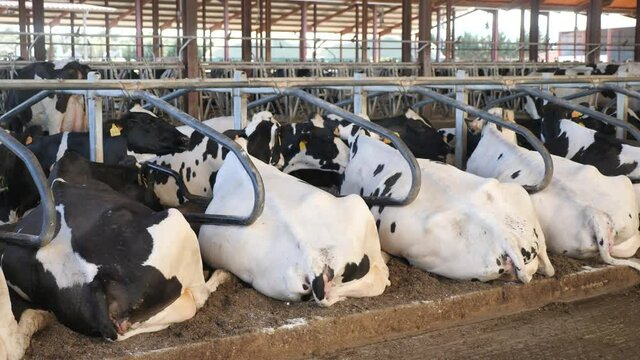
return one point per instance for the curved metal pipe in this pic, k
(528, 135)
(170, 96)
(348, 101)
(582, 94)
(397, 142)
(426, 102)
(501, 100)
(243, 157)
(585, 110)
(49, 218)
(263, 101)
(24, 105)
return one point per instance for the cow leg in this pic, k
(201, 293)
(385, 257)
(15, 337)
(626, 248)
(372, 284)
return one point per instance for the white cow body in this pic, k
(582, 212)
(460, 226)
(304, 239)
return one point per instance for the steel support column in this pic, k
(72, 24)
(594, 15)
(303, 31)
(357, 28)
(495, 37)
(155, 24)
(521, 44)
(204, 31)
(190, 56)
(364, 56)
(107, 33)
(246, 29)
(375, 34)
(406, 31)
(22, 26)
(534, 31)
(448, 47)
(315, 31)
(40, 51)
(636, 48)
(424, 36)
(267, 30)
(438, 37)
(138, 17)
(225, 26)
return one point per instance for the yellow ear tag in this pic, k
(114, 131)
(575, 114)
(336, 132)
(303, 145)
(386, 141)
(28, 140)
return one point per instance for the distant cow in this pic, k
(582, 212)
(56, 113)
(114, 268)
(307, 243)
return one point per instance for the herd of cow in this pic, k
(125, 261)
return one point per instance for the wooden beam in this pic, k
(365, 30)
(636, 48)
(495, 36)
(107, 33)
(190, 59)
(138, 16)
(225, 24)
(303, 31)
(155, 24)
(374, 35)
(349, 29)
(267, 30)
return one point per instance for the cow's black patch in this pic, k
(378, 224)
(535, 233)
(515, 174)
(378, 169)
(500, 156)
(393, 227)
(389, 183)
(317, 286)
(355, 272)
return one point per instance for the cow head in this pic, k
(147, 134)
(478, 126)
(313, 145)
(263, 139)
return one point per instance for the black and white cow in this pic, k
(421, 137)
(138, 135)
(15, 336)
(582, 212)
(114, 268)
(301, 245)
(493, 226)
(56, 113)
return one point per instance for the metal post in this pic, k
(364, 56)
(534, 31)
(406, 31)
(594, 15)
(359, 97)
(37, 11)
(575, 35)
(190, 59)
(22, 27)
(225, 26)
(107, 33)
(521, 44)
(495, 37)
(138, 17)
(155, 24)
(96, 152)
(267, 31)
(546, 39)
(424, 36)
(375, 34)
(357, 28)
(246, 29)
(622, 104)
(438, 37)
(636, 48)
(448, 52)
(461, 125)
(72, 24)
(303, 31)
(239, 103)
(315, 31)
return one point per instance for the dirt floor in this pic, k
(236, 308)
(603, 327)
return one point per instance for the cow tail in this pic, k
(603, 230)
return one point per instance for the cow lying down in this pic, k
(115, 268)
(582, 212)
(460, 226)
(306, 242)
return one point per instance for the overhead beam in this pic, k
(127, 13)
(56, 20)
(386, 30)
